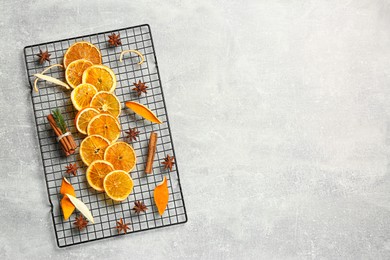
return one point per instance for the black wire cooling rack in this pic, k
(106, 212)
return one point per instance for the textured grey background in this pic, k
(280, 116)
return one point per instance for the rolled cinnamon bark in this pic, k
(58, 132)
(151, 152)
(67, 143)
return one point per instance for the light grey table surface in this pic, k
(280, 115)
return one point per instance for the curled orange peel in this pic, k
(161, 196)
(134, 51)
(143, 111)
(43, 72)
(66, 205)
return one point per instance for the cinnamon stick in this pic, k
(58, 132)
(67, 143)
(151, 152)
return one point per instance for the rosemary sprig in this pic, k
(59, 120)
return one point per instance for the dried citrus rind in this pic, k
(66, 205)
(43, 72)
(52, 80)
(143, 111)
(161, 196)
(134, 51)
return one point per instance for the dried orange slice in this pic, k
(102, 77)
(82, 50)
(74, 72)
(92, 148)
(106, 102)
(121, 155)
(118, 185)
(96, 173)
(104, 125)
(83, 117)
(82, 95)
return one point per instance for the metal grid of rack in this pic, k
(106, 212)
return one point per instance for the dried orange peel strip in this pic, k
(43, 72)
(69, 202)
(161, 196)
(81, 207)
(66, 205)
(143, 111)
(52, 80)
(134, 51)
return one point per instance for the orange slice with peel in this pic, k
(92, 148)
(161, 196)
(82, 95)
(143, 111)
(118, 185)
(82, 50)
(106, 102)
(106, 126)
(66, 205)
(83, 118)
(74, 71)
(96, 173)
(121, 155)
(102, 77)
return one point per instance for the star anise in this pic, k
(139, 207)
(72, 169)
(114, 40)
(140, 87)
(121, 226)
(132, 134)
(80, 222)
(43, 56)
(168, 162)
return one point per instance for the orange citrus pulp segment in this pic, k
(74, 72)
(92, 148)
(121, 155)
(82, 50)
(118, 185)
(96, 173)
(106, 126)
(83, 117)
(82, 95)
(106, 102)
(102, 77)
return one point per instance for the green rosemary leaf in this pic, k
(59, 120)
